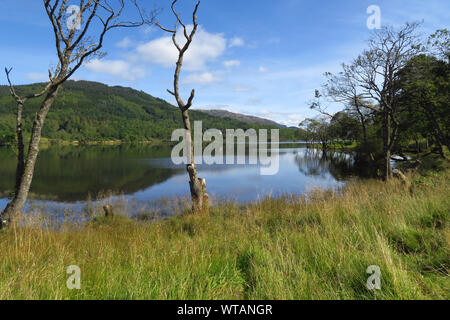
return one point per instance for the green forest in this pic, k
(91, 111)
(394, 100)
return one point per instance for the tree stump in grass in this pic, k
(204, 197)
(109, 213)
(205, 205)
(405, 181)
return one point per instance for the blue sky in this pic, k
(258, 57)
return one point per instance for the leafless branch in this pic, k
(16, 97)
(74, 47)
(181, 51)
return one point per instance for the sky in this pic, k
(256, 57)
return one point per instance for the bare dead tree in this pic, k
(200, 199)
(19, 125)
(75, 44)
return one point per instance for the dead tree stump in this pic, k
(404, 179)
(109, 213)
(205, 200)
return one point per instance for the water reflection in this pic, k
(342, 166)
(66, 176)
(72, 173)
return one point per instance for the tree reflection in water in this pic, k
(342, 166)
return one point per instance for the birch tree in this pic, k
(20, 146)
(79, 33)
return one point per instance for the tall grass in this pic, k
(314, 247)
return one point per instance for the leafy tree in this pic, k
(345, 126)
(425, 98)
(439, 44)
(375, 72)
(318, 130)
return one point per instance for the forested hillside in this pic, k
(92, 111)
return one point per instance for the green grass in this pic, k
(315, 247)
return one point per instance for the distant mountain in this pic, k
(91, 111)
(241, 117)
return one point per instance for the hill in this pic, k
(242, 117)
(91, 111)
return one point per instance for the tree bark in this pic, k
(363, 126)
(109, 212)
(200, 199)
(387, 174)
(416, 139)
(16, 205)
(20, 148)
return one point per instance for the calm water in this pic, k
(66, 177)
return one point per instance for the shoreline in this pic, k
(273, 249)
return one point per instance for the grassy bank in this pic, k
(292, 248)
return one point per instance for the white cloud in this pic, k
(314, 72)
(201, 78)
(147, 30)
(286, 118)
(242, 89)
(236, 42)
(205, 47)
(34, 76)
(254, 102)
(293, 120)
(118, 68)
(125, 43)
(262, 69)
(274, 40)
(232, 63)
(218, 106)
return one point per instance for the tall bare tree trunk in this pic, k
(362, 120)
(200, 199)
(16, 205)
(20, 148)
(364, 129)
(387, 170)
(416, 140)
